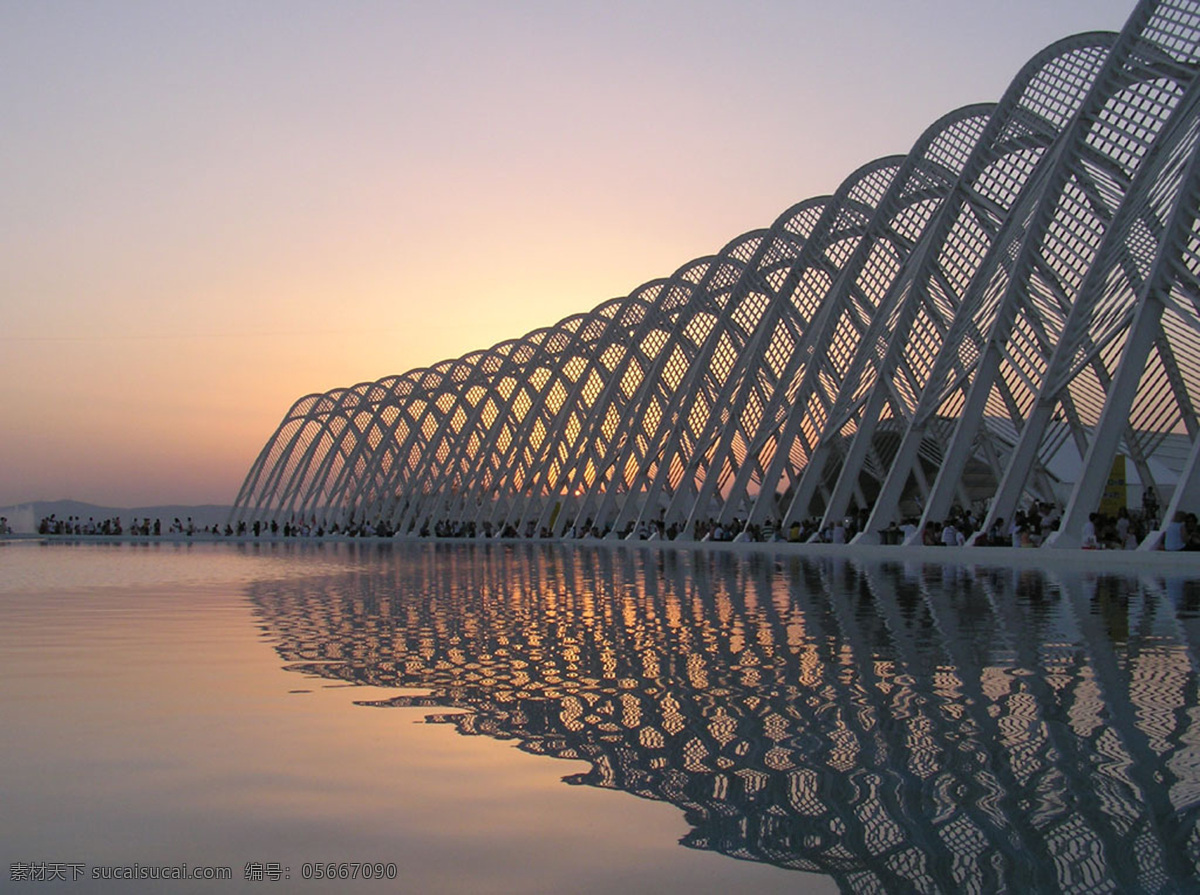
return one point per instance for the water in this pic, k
(549, 719)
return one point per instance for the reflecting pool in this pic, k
(560, 718)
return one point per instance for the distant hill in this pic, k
(24, 518)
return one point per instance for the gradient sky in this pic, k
(210, 209)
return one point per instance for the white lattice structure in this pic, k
(1022, 283)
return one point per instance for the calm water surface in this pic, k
(551, 719)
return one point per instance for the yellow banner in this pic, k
(1114, 492)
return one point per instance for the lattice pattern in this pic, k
(1023, 282)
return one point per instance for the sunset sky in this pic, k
(210, 209)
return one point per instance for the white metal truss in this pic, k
(892, 370)
(1019, 300)
(1022, 283)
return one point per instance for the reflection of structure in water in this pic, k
(890, 726)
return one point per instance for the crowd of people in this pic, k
(1028, 528)
(146, 527)
(310, 529)
(75, 525)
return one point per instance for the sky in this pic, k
(208, 210)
